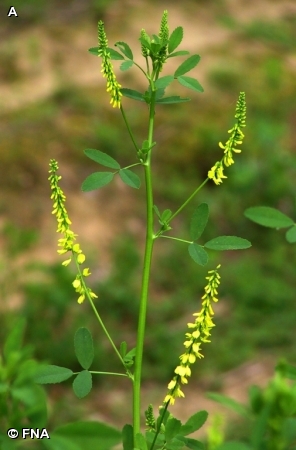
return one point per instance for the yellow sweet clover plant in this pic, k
(164, 432)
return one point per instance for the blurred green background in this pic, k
(53, 104)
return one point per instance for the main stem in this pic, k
(145, 279)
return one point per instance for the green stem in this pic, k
(145, 276)
(128, 127)
(95, 310)
(188, 200)
(175, 239)
(159, 425)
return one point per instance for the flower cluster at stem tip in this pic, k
(67, 243)
(200, 332)
(236, 137)
(107, 69)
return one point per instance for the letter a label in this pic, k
(12, 12)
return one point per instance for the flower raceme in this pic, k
(200, 332)
(67, 243)
(107, 69)
(236, 138)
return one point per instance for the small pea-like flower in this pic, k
(67, 243)
(236, 138)
(199, 333)
(107, 69)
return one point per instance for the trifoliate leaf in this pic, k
(172, 99)
(84, 348)
(187, 65)
(130, 93)
(96, 180)
(179, 53)
(175, 39)
(163, 82)
(268, 217)
(130, 178)
(228, 243)
(291, 235)
(126, 65)
(82, 384)
(190, 83)
(198, 254)
(101, 158)
(199, 221)
(125, 49)
(53, 374)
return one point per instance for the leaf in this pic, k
(96, 180)
(123, 348)
(141, 442)
(126, 65)
(234, 445)
(125, 49)
(88, 435)
(59, 443)
(190, 83)
(82, 384)
(14, 340)
(199, 221)
(163, 82)
(198, 254)
(175, 444)
(53, 374)
(229, 403)
(130, 93)
(175, 39)
(84, 348)
(187, 65)
(194, 423)
(172, 428)
(127, 437)
(180, 53)
(129, 357)
(193, 444)
(156, 211)
(130, 178)
(165, 216)
(291, 235)
(114, 54)
(268, 217)
(173, 99)
(94, 50)
(158, 95)
(101, 158)
(228, 243)
(145, 41)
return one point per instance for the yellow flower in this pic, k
(201, 331)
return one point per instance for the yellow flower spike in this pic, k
(113, 87)
(236, 138)
(67, 242)
(202, 331)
